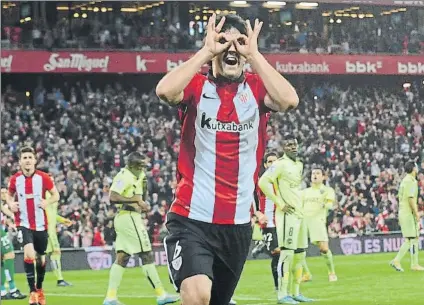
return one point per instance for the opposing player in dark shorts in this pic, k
(26, 198)
(223, 138)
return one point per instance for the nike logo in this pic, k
(208, 97)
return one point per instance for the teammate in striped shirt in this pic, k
(223, 138)
(26, 198)
(270, 239)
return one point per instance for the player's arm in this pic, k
(54, 196)
(118, 187)
(5, 210)
(281, 95)
(63, 220)
(412, 194)
(145, 189)
(171, 87)
(10, 195)
(330, 199)
(266, 184)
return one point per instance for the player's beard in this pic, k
(291, 154)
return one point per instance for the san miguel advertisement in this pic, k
(97, 258)
(159, 63)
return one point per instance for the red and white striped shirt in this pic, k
(223, 139)
(29, 191)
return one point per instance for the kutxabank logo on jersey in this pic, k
(214, 124)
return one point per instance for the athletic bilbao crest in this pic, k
(177, 260)
(351, 246)
(99, 260)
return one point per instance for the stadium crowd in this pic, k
(82, 134)
(151, 31)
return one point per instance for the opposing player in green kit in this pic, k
(281, 183)
(128, 192)
(409, 219)
(317, 200)
(53, 246)
(7, 257)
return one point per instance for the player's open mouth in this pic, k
(231, 60)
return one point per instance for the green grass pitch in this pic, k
(364, 279)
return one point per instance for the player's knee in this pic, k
(122, 259)
(10, 255)
(276, 251)
(196, 290)
(323, 248)
(147, 257)
(40, 259)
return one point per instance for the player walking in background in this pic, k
(7, 255)
(317, 200)
(409, 219)
(223, 138)
(128, 191)
(26, 198)
(53, 246)
(281, 184)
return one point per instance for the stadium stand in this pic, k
(82, 132)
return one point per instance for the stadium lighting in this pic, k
(96, 9)
(84, 15)
(27, 94)
(27, 19)
(407, 85)
(239, 3)
(338, 21)
(76, 15)
(104, 10)
(129, 9)
(331, 20)
(306, 5)
(276, 3)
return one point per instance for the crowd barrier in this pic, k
(97, 258)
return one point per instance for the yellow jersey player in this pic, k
(281, 184)
(53, 246)
(128, 191)
(409, 219)
(317, 200)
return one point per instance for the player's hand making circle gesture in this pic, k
(216, 42)
(248, 45)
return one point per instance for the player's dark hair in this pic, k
(409, 166)
(270, 154)
(317, 167)
(231, 21)
(135, 159)
(289, 137)
(26, 149)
